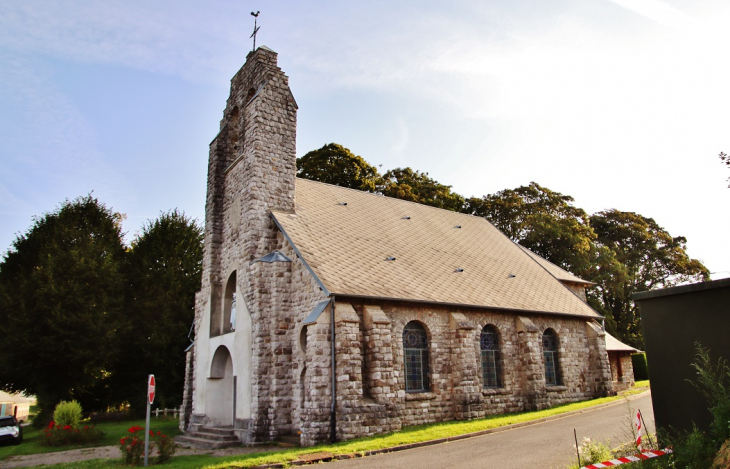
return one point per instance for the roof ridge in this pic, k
(378, 194)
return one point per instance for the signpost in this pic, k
(150, 398)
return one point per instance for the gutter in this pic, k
(597, 316)
(333, 406)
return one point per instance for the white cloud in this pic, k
(657, 11)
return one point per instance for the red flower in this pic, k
(67, 427)
(51, 424)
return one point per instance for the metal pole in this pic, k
(647, 430)
(235, 385)
(577, 451)
(147, 432)
(333, 408)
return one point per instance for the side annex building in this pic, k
(329, 313)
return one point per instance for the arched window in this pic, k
(415, 350)
(491, 368)
(550, 352)
(229, 305)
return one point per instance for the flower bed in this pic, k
(132, 446)
(57, 435)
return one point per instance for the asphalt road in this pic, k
(544, 445)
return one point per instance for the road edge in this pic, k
(420, 444)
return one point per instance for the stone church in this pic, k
(328, 313)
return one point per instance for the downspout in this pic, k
(333, 407)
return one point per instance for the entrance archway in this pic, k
(219, 393)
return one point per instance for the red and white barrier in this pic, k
(638, 457)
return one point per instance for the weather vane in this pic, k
(255, 28)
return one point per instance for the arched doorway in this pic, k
(219, 394)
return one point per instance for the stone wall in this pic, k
(371, 396)
(621, 361)
(285, 293)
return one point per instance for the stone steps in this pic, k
(209, 438)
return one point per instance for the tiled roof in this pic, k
(16, 398)
(558, 272)
(615, 345)
(347, 247)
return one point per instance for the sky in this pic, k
(618, 103)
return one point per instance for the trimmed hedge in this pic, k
(641, 369)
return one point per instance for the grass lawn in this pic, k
(33, 438)
(406, 436)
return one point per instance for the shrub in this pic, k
(693, 450)
(132, 446)
(713, 381)
(166, 447)
(697, 449)
(67, 413)
(592, 452)
(61, 435)
(641, 369)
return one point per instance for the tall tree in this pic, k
(652, 259)
(544, 221)
(164, 271)
(335, 164)
(61, 303)
(413, 185)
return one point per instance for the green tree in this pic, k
(61, 302)
(413, 185)
(544, 221)
(652, 258)
(164, 271)
(335, 164)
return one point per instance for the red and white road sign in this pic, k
(151, 388)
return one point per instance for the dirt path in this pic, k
(112, 452)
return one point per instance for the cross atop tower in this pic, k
(255, 28)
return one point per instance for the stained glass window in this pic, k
(550, 352)
(491, 367)
(415, 350)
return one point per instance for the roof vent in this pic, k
(459, 270)
(342, 203)
(390, 258)
(457, 226)
(406, 218)
(511, 276)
